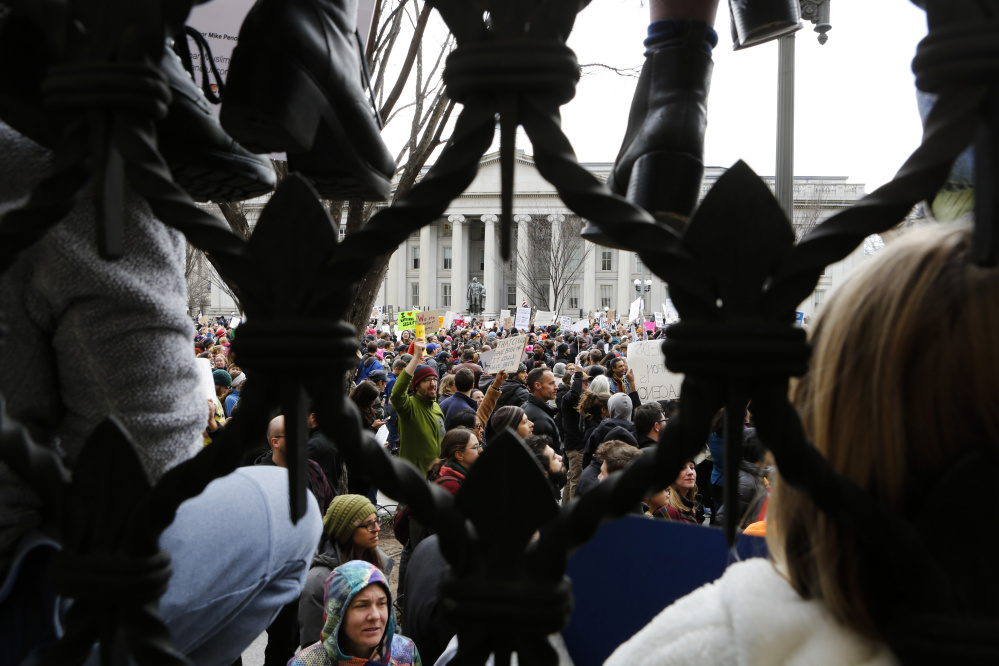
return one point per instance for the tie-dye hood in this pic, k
(341, 586)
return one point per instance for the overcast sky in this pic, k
(855, 112)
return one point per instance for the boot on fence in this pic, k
(296, 85)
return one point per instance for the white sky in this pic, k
(855, 111)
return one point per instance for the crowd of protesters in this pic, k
(435, 403)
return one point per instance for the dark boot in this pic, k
(295, 85)
(660, 164)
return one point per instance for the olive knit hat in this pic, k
(344, 514)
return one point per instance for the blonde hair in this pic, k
(901, 384)
(447, 382)
(674, 494)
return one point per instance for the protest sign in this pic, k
(507, 323)
(610, 315)
(420, 331)
(523, 318)
(565, 323)
(650, 326)
(634, 310)
(202, 319)
(653, 381)
(580, 325)
(660, 322)
(669, 312)
(488, 325)
(429, 320)
(205, 381)
(508, 354)
(407, 320)
(486, 358)
(544, 319)
(448, 319)
(504, 314)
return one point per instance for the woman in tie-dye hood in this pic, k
(360, 623)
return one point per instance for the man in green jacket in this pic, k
(421, 421)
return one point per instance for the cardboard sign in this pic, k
(507, 323)
(205, 381)
(202, 319)
(523, 318)
(653, 381)
(508, 354)
(429, 320)
(544, 319)
(611, 314)
(407, 320)
(565, 322)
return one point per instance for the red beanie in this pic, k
(422, 372)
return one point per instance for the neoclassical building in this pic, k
(433, 268)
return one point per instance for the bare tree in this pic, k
(808, 215)
(551, 260)
(400, 57)
(198, 290)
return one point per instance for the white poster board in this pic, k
(669, 312)
(448, 319)
(580, 325)
(235, 321)
(634, 310)
(659, 319)
(486, 358)
(205, 381)
(653, 381)
(508, 354)
(544, 319)
(523, 318)
(504, 314)
(565, 323)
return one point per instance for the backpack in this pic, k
(362, 369)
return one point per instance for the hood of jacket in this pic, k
(344, 584)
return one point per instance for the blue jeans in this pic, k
(237, 560)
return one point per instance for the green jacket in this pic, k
(421, 424)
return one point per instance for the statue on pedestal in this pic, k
(476, 296)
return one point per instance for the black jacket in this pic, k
(599, 435)
(573, 440)
(513, 393)
(749, 498)
(588, 478)
(543, 417)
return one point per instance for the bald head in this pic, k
(276, 439)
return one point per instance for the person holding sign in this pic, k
(421, 421)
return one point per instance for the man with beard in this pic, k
(421, 421)
(550, 461)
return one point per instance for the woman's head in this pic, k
(593, 405)
(352, 521)
(364, 396)
(360, 621)
(899, 387)
(601, 385)
(446, 386)
(461, 446)
(509, 417)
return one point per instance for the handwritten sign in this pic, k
(660, 322)
(507, 324)
(650, 326)
(653, 380)
(611, 314)
(407, 320)
(508, 354)
(523, 318)
(544, 319)
(565, 323)
(486, 357)
(429, 320)
(235, 321)
(205, 380)
(580, 325)
(669, 312)
(504, 314)
(634, 310)
(448, 319)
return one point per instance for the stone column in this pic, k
(492, 274)
(428, 267)
(625, 288)
(522, 250)
(459, 264)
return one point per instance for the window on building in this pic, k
(482, 258)
(343, 232)
(573, 296)
(606, 263)
(416, 258)
(415, 288)
(639, 266)
(447, 258)
(511, 295)
(446, 294)
(606, 293)
(820, 297)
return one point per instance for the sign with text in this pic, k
(565, 323)
(611, 314)
(486, 358)
(523, 318)
(429, 320)
(653, 380)
(670, 313)
(650, 326)
(544, 319)
(634, 310)
(508, 354)
(507, 323)
(659, 319)
(407, 320)
(504, 314)
(234, 322)
(448, 319)
(580, 325)
(205, 380)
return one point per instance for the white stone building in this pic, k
(432, 268)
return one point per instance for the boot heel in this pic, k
(271, 105)
(666, 184)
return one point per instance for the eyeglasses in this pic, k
(477, 447)
(479, 426)
(371, 526)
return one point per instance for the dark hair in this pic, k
(454, 441)
(614, 359)
(363, 395)
(670, 407)
(508, 416)
(461, 419)
(521, 368)
(591, 404)
(646, 417)
(372, 347)
(616, 454)
(464, 379)
(468, 354)
(535, 376)
(537, 444)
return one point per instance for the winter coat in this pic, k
(750, 494)
(717, 447)
(426, 622)
(345, 582)
(750, 616)
(543, 416)
(318, 483)
(588, 478)
(513, 393)
(450, 477)
(599, 435)
(421, 425)
(456, 403)
(570, 417)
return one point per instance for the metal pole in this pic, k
(784, 181)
